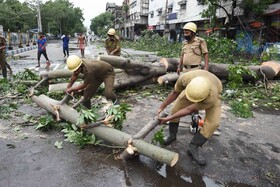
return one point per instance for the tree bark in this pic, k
(109, 134)
(134, 67)
(59, 73)
(122, 80)
(168, 78)
(170, 64)
(266, 70)
(149, 127)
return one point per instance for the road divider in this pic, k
(20, 50)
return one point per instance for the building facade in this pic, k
(167, 17)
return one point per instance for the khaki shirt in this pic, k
(95, 69)
(215, 87)
(192, 51)
(111, 45)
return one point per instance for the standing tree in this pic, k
(101, 23)
(257, 8)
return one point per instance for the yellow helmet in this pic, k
(190, 26)
(74, 62)
(198, 89)
(111, 32)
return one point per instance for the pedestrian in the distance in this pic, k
(112, 43)
(65, 41)
(95, 73)
(192, 51)
(82, 42)
(194, 90)
(42, 50)
(2, 55)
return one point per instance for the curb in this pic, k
(21, 50)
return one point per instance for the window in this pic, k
(183, 7)
(152, 14)
(159, 11)
(169, 9)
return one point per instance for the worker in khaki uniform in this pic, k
(112, 43)
(2, 55)
(194, 90)
(192, 51)
(95, 73)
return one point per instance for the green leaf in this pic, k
(58, 144)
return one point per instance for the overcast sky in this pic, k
(91, 8)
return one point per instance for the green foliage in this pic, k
(79, 137)
(158, 137)
(241, 108)
(258, 8)
(27, 74)
(221, 49)
(243, 99)
(236, 73)
(56, 95)
(101, 24)
(119, 114)
(5, 86)
(271, 54)
(57, 16)
(46, 123)
(155, 43)
(7, 109)
(16, 16)
(87, 116)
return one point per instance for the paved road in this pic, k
(245, 154)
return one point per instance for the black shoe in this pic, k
(197, 141)
(173, 129)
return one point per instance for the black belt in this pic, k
(191, 66)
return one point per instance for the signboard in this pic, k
(172, 16)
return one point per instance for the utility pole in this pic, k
(165, 17)
(39, 17)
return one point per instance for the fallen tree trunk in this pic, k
(168, 78)
(268, 70)
(61, 86)
(134, 67)
(108, 134)
(122, 80)
(149, 127)
(59, 73)
(170, 64)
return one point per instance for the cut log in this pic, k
(59, 73)
(168, 78)
(109, 134)
(61, 86)
(170, 64)
(134, 67)
(149, 127)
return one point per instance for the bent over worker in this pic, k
(95, 73)
(194, 90)
(192, 51)
(112, 43)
